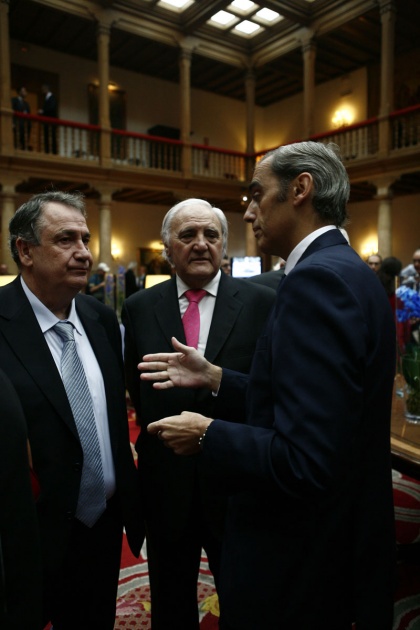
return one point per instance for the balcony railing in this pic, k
(70, 140)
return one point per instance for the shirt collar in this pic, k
(211, 287)
(45, 317)
(297, 252)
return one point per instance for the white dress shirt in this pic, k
(47, 320)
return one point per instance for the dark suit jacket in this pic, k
(56, 449)
(151, 317)
(269, 278)
(20, 551)
(50, 107)
(310, 540)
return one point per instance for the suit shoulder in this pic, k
(255, 289)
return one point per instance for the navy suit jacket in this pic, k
(310, 540)
(151, 317)
(56, 450)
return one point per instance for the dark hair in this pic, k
(323, 162)
(27, 222)
(388, 271)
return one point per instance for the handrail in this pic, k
(85, 141)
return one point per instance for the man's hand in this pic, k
(181, 433)
(184, 368)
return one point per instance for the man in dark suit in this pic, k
(310, 530)
(21, 126)
(50, 109)
(183, 513)
(20, 551)
(49, 242)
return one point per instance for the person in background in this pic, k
(62, 352)
(20, 550)
(410, 275)
(309, 537)
(141, 278)
(226, 266)
(22, 127)
(50, 109)
(374, 261)
(388, 274)
(131, 285)
(4, 271)
(183, 512)
(96, 285)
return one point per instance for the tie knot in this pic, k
(65, 330)
(195, 295)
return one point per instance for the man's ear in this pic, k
(25, 252)
(302, 186)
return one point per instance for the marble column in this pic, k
(185, 97)
(384, 196)
(8, 207)
(105, 225)
(103, 37)
(6, 119)
(250, 120)
(387, 13)
(309, 57)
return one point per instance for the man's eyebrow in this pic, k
(254, 184)
(70, 232)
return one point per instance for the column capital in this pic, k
(383, 186)
(105, 191)
(308, 40)
(9, 183)
(387, 6)
(187, 45)
(103, 28)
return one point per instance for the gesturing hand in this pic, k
(181, 433)
(184, 368)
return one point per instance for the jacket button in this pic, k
(69, 516)
(77, 466)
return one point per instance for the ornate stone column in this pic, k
(387, 11)
(103, 37)
(6, 129)
(250, 120)
(309, 57)
(8, 207)
(384, 196)
(185, 57)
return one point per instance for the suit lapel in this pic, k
(21, 331)
(226, 311)
(167, 313)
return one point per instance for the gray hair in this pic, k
(27, 223)
(323, 162)
(169, 217)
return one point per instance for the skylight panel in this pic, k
(245, 6)
(247, 28)
(222, 18)
(176, 5)
(267, 15)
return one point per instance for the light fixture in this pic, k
(343, 117)
(369, 246)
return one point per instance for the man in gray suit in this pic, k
(183, 513)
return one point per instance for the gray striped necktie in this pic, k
(92, 498)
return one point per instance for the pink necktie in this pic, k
(191, 318)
